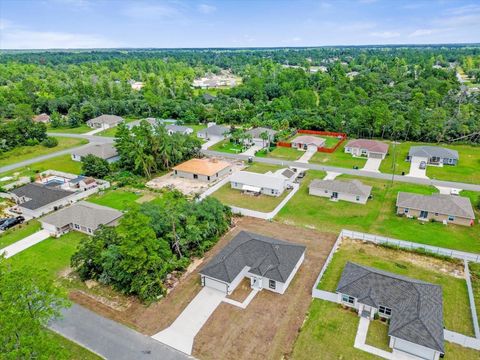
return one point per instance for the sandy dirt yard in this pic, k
(266, 329)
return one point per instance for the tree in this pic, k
(28, 301)
(95, 166)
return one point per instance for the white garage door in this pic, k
(414, 349)
(215, 284)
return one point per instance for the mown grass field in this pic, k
(456, 307)
(378, 216)
(82, 129)
(118, 199)
(227, 147)
(19, 232)
(28, 152)
(285, 153)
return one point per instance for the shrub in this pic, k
(50, 142)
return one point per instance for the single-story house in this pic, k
(104, 121)
(445, 208)
(307, 142)
(250, 182)
(213, 131)
(83, 216)
(354, 191)
(256, 134)
(178, 129)
(365, 147)
(82, 182)
(152, 121)
(413, 307)
(433, 155)
(43, 118)
(269, 263)
(35, 199)
(105, 151)
(205, 169)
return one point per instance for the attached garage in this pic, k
(215, 284)
(414, 349)
(374, 155)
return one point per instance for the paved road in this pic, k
(109, 339)
(362, 173)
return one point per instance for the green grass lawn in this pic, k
(466, 170)
(456, 308)
(117, 199)
(338, 158)
(28, 152)
(285, 153)
(330, 141)
(233, 197)
(378, 216)
(378, 335)
(262, 168)
(74, 351)
(19, 232)
(59, 163)
(227, 147)
(68, 130)
(475, 277)
(196, 128)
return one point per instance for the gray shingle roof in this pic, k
(268, 257)
(269, 181)
(214, 130)
(177, 128)
(433, 151)
(438, 203)
(354, 187)
(259, 130)
(84, 214)
(107, 119)
(417, 307)
(39, 194)
(104, 151)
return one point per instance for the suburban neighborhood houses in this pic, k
(368, 148)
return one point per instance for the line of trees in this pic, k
(151, 241)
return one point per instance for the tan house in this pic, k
(308, 142)
(444, 208)
(365, 147)
(203, 169)
(354, 191)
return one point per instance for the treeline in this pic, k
(150, 242)
(23, 133)
(403, 93)
(146, 149)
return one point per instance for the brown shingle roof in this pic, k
(370, 145)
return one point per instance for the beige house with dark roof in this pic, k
(444, 208)
(104, 151)
(105, 121)
(354, 191)
(365, 147)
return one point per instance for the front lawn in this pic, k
(285, 153)
(338, 158)
(377, 335)
(19, 232)
(262, 168)
(456, 307)
(378, 216)
(264, 203)
(23, 153)
(82, 129)
(331, 141)
(117, 199)
(228, 147)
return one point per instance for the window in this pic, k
(273, 191)
(272, 284)
(405, 210)
(348, 299)
(195, 176)
(451, 218)
(357, 198)
(76, 226)
(176, 172)
(326, 191)
(89, 230)
(385, 310)
(208, 178)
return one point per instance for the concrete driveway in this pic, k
(252, 150)
(305, 158)
(213, 140)
(372, 164)
(182, 332)
(415, 170)
(25, 243)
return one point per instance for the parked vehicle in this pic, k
(423, 165)
(11, 222)
(3, 220)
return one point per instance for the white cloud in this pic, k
(425, 32)
(206, 9)
(144, 10)
(385, 34)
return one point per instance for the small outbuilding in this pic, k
(206, 169)
(354, 191)
(269, 264)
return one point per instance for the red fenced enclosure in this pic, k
(342, 137)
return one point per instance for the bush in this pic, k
(94, 166)
(50, 142)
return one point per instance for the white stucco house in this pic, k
(256, 134)
(105, 121)
(206, 169)
(104, 151)
(269, 264)
(365, 147)
(353, 191)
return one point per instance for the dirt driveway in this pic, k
(266, 329)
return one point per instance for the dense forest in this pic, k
(390, 92)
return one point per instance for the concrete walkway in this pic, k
(266, 215)
(331, 175)
(460, 339)
(93, 132)
(181, 333)
(25, 243)
(110, 339)
(244, 304)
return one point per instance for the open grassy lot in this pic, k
(19, 232)
(285, 153)
(449, 275)
(82, 129)
(467, 169)
(233, 197)
(227, 147)
(338, 158)
(262, 168)
(330, 330)
(377, 216)
(118, 199)
(28, 152)
(60, 163)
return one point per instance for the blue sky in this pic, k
(230, 23)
